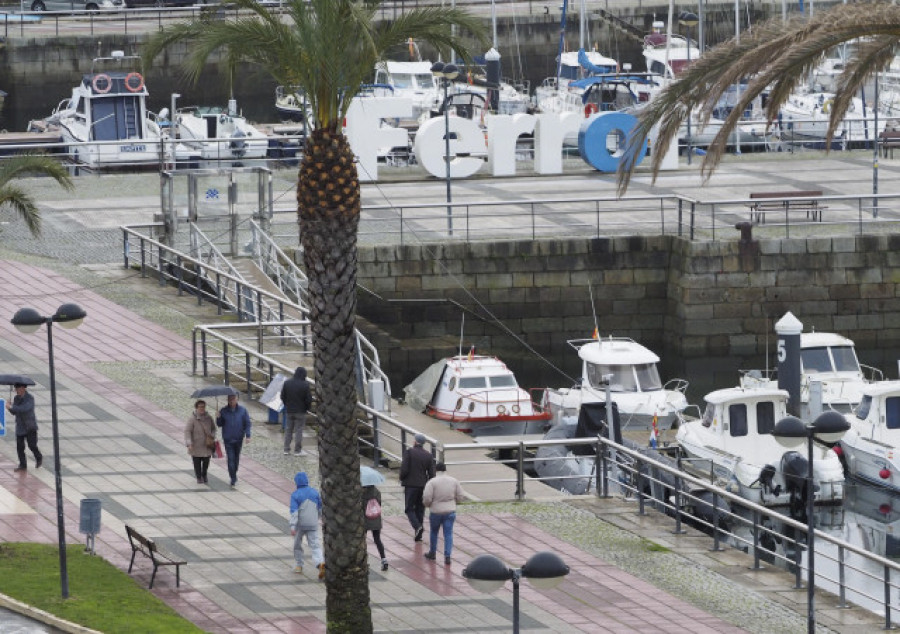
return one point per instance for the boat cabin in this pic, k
(629, 366)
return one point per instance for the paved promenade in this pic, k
(124, 387)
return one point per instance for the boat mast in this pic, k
(562, 40)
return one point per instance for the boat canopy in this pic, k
(599, 65)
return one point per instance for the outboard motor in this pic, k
(794, 467)
(767, 480)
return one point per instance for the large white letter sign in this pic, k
(602, 139)
(503, 132)
(430, 145)
(550, 130)
(366, 134)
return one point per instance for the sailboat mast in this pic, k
(562, 40)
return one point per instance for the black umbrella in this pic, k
(13, 379)
(212, 390)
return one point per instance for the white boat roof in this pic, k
(615, 351)
(478, 366)
(881, 388)
(412, 68)
(733, 394)
(823, 339)
(570, 58)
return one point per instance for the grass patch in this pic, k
(101, 596)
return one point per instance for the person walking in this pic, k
(416, 468)
(200, 438)
(235, 423)
(22, 407)
(372, 519)
(441, 495)
(297, 398)
(306, 508)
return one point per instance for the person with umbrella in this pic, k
(371, 508)
(22, 407)
(235, 423)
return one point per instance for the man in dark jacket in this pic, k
(416, 469)
(235, 423)
(26, 426)
(297, 398)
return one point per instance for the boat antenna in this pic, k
(462, 327)
(593, 308)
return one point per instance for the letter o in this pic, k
(593, 135)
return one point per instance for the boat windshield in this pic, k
(503, 380)
(473, 383)
(401, 80)
(845, 359)
(648, 377)
(425, 80)
(862, 410)
(820, 359)
(709, 415)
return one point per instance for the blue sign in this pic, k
(2, 417)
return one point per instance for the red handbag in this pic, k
(217, 452)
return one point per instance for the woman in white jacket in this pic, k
(442, 492)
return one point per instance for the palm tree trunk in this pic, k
(328, 200)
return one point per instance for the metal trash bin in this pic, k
(89, 523)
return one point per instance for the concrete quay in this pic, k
(124, 383)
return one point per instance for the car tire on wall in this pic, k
(37, 5)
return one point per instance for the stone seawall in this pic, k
(690, 299)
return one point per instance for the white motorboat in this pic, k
(220, 134)
(634, 385)
(830, 360)
(414, 81)
(732, 444)
(291, 104)
(870, 447)
(807, 114)
(106, 123)
(479, 395)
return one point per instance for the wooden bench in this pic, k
(148, 548)
(889, 140)
(783, 202)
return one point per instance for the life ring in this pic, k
(826, 107)
(102, 83)
(589, 109)
(134, 82)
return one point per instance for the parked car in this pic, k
(71, 5)
(138, 4)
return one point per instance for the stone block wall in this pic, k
(692, 299)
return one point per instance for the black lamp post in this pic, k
(790, 432)
(28, 320)
(487, 573)
(688, 20)
(446, 73)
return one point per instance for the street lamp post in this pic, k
(688, 20)
(446, 73)
(28, 320)
(790, 432)
(487, 573)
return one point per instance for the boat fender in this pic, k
(134, 82)
(238, 145)
(102, 83)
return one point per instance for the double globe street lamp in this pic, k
(487, 573)
(446, 73)
(829, 427)
(28, 320)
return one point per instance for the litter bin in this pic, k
(276, 417)
(90, 521)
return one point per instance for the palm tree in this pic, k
(777, 56)
(328, 48)
(20, 201)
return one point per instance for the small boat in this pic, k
(634, 385)
(478, 394)
(106, 123)
(412, 80)
(220, 134)
(732, 445)
(870, 447)
(830, 360)
(291, 104)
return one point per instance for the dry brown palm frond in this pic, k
(778, 57)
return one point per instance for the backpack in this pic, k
(373, 509)
(308, 516)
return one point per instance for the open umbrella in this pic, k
(214, 390)
(369, 477)
(13, 379)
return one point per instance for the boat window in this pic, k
(401, 80)
(503, 380)
(892, 412)
(765, 417)
(862, 410)
(425, 80)
(815, 360)
(452, 385)
(657, 68)
(709, 414)
(116, 118)
(622, 377)
(845, 359)
(737, 419)
(648, 377)
(473, 383)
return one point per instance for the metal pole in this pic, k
(810, 539)
(447, 158)
(515, 579)
(689, 111)
(60, 515)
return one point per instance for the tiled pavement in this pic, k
(127, 451)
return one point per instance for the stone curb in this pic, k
(44, 617)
